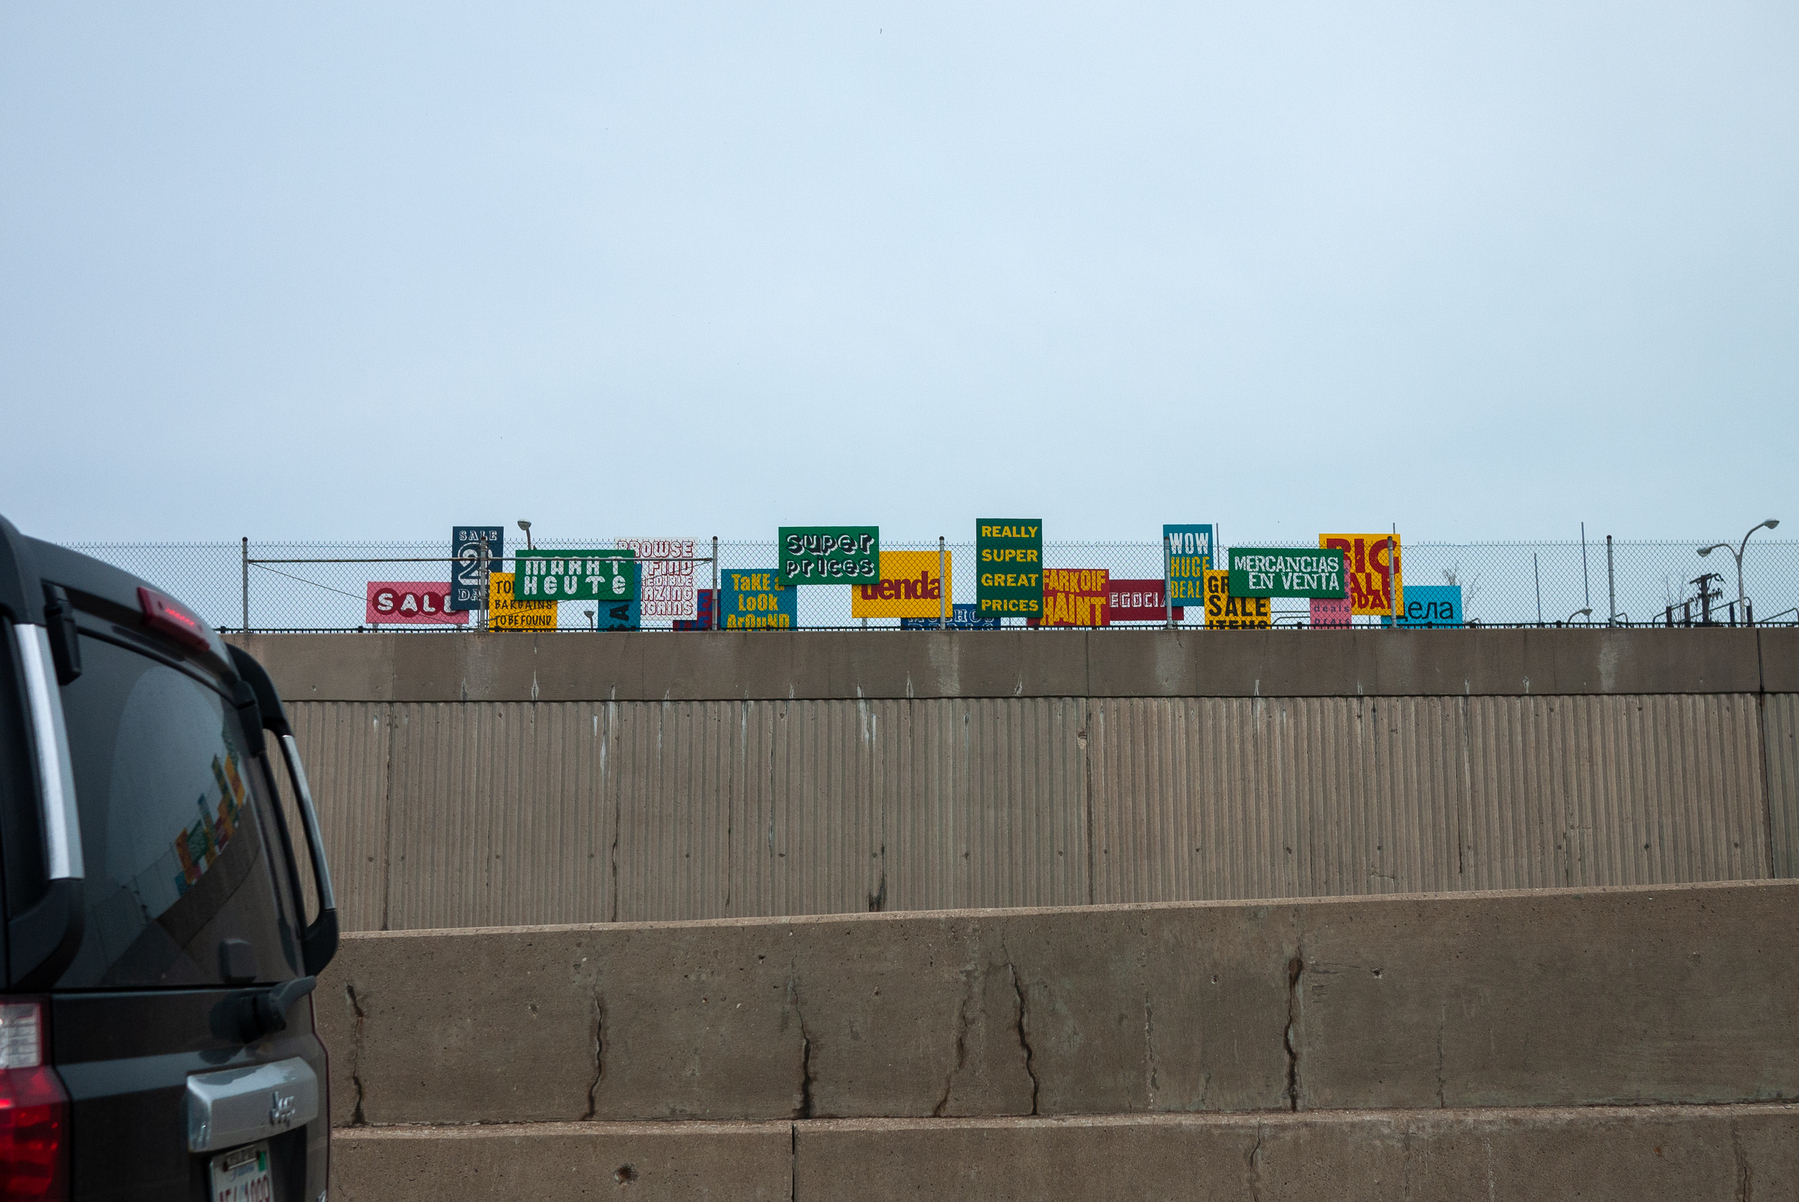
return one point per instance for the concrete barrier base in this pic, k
(1596, 1154)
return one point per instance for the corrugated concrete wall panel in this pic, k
(345, 747)
(1780, 734)
(468, 814)
(496, 817)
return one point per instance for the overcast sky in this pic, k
(336, 271)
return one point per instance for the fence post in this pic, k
(1611, 586)
(1167, 583)
(717, 599)
(942, 585)
(246, 626)
(1392, 594)
(1536, 572)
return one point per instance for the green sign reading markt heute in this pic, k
(575, 576)
(1286, 572)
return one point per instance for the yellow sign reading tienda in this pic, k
(909, 587)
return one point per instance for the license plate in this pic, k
(242, 1175)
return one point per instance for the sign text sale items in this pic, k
(1009, 554)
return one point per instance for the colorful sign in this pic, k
(831, 554)
(1286, 572)
(575, 575)
(1075, 597)
(702, 610)
(1189, 552)
(1430, 605)
(1366, 567)
(412, 603)
(1009, 553)
(1225, 612)
(466, 588)
(617, 615)
(961, 617)
(504, 612)
(1330, 611)
(758, 601)
(909, 587)
(1139, 601)
(666, 585)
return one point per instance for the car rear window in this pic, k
(176, 829)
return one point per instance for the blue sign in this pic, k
(1190, 555)
(1429, 605)
(704, 621)
(757, 600)
(468, 584)
(962, 617)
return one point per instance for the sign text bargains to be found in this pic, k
(1009, 552)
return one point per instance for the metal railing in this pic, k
(290, 586)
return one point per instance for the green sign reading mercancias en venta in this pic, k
(1286, 572)
(831, 554)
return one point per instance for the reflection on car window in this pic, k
(171, 829)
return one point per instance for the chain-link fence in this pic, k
(326, 586)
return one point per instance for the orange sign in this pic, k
(1365, 563)
(1076, 597)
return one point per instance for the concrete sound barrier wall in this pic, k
(1677, 995)
(1606, 1044)
(508, 779)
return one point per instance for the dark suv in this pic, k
(156, 1034)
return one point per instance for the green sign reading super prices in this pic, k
(575, 576)
(831, 554)
(1286, 572)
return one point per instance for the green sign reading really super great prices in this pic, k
(1009, 554)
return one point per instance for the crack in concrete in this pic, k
(1024, 1039)
(969, 976)
(599, 1055)
(357, 1118)
(1295, 969)
(807, 1078)
(1442, 1019)
(1255, 1169)
(1745, 1178)
(1149, 1049)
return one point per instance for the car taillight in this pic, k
(165, 615)
(34, 1110)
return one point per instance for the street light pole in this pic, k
(1738, 551)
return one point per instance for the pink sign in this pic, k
(1330, 611)
(412, 602)
(1140, 601)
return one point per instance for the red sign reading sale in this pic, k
(412, 602)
